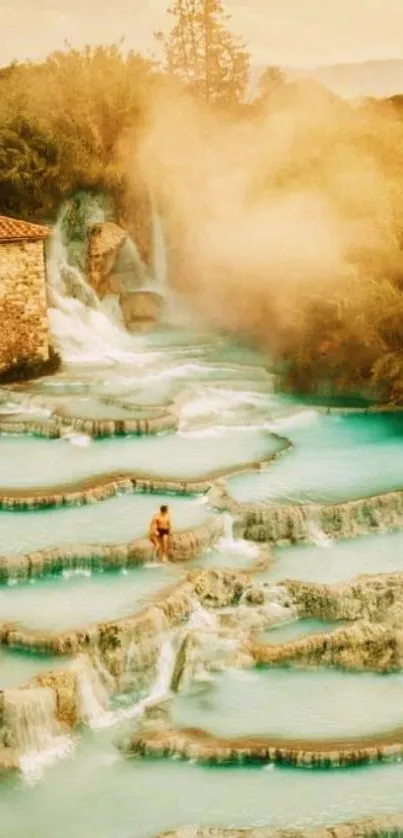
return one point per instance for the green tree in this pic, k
(204, 54)
(29, 168)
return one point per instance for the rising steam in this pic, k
(280, 210)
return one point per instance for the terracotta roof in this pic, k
(12, 229)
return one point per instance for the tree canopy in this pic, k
(203, 52)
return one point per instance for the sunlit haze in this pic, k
(301, 33)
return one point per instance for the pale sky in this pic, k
(300, 33)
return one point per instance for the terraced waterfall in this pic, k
(186, 700)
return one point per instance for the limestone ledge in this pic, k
(185, 544)
(96, 488)
(125, 654)
(8, 761)
(376, 598)
(173, 605)
(105, 485)
(113, 655)
(193, 743)
(361, 647)
(374, 606)
(383, 826)
(283, 523)
(57, 426)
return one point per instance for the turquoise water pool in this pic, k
(118, 519)
(294, 703)
(336, 561)
(80, 597)
(335, 458)
(30, 461)
(226, 408)
(100, 793)
(298, 628)
(17, 667)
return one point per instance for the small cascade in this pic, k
(201, 619)
(160, 259)
(30, 726)
(166, 662)
(318, 536)
(93, 697)
(234, 546)
(161, 687)
(75, 438)
(228, 528)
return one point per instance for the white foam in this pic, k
(301, 417)
(33, 763)
(75, 438)
(318, 536)
(82, 572)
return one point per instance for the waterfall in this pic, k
(30, 725)
(82, 331)
(160, 260)
(93, 698)
(200, 618)
(318, 536)
(165, 667)
(161, 686)
(228, 527)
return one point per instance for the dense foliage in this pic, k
(63, 124)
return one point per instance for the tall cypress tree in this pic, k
(201, 50)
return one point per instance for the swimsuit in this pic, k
(162, 531)
(163, 527)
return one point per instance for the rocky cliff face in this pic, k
(116, 271)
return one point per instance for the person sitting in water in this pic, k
(160, 530)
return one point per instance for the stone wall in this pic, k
(24, 334)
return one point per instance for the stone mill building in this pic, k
(24, 332)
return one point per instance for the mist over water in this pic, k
(281, 212)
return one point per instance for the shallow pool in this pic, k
(100, 793)
(335, 458)
(17, 667)
(289, 632)
(339, 560)
(294, 703)
(118, 519)
(78, 597)
(225, 409)
(30, 461)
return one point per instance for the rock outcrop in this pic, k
(384, 826)
(141, 309)
(362, 647)
(299, 522)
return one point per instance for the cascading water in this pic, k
(228, 527)
(160, 260)
(81, 330)
(84, 328)
(30, 725)
(93, 697)
(318, 536)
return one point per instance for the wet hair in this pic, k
(163, 509)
